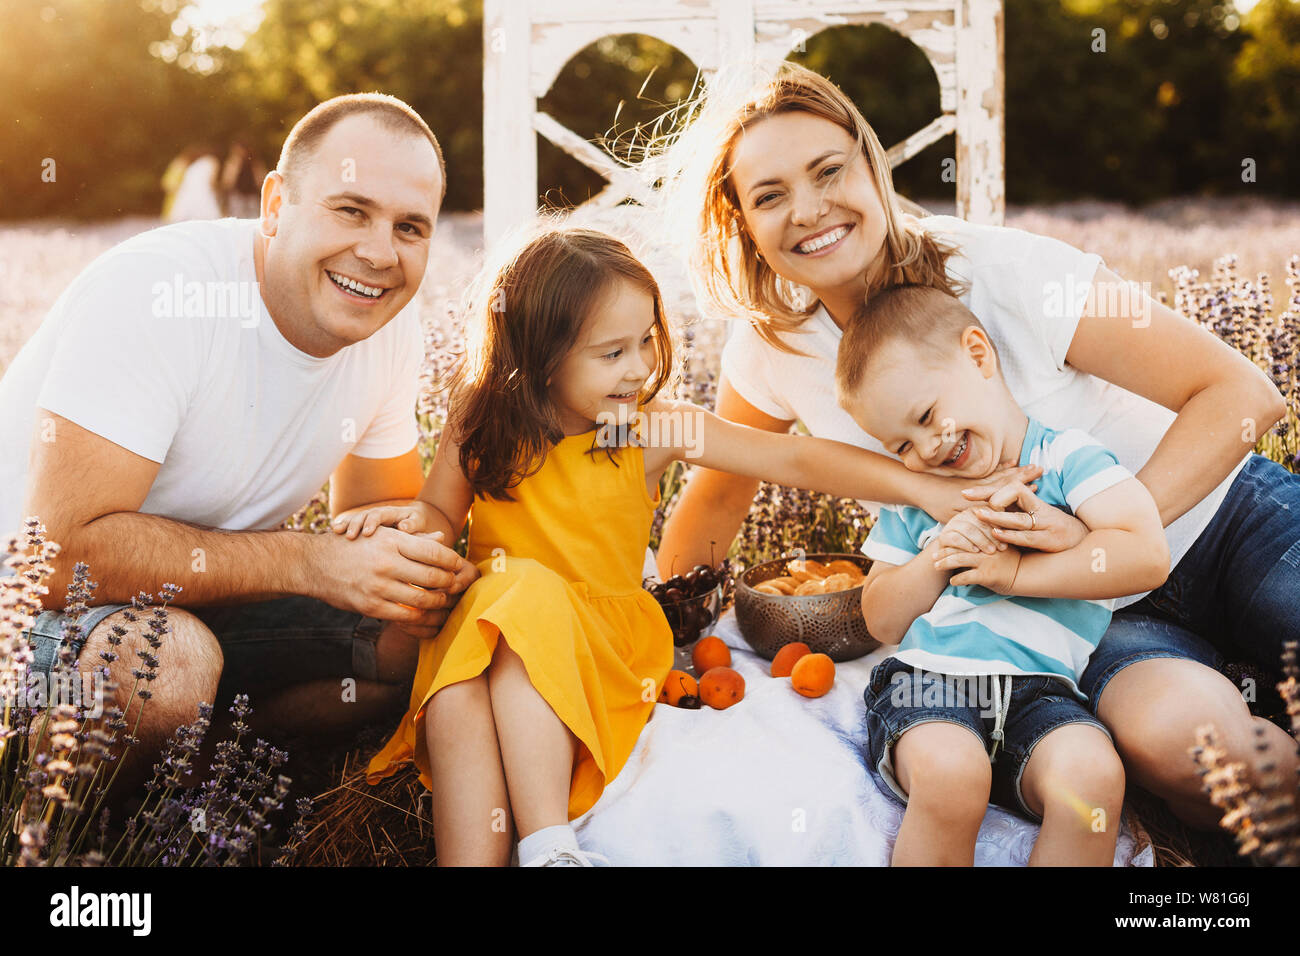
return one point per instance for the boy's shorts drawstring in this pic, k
(1000, 716)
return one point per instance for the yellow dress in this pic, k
(561, 580)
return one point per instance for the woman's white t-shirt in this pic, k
(1028, 291)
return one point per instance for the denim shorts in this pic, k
(1235, 595)
(901, 696)
(265, 644)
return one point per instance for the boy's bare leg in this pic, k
(943, 769)
(1074, 780)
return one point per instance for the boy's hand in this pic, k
(996, 571)
(413, 518)
(1006, 511)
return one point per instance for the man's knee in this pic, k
(188, 657)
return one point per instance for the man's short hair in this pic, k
(928, 318)
(388, 111)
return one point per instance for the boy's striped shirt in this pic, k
(972, 630)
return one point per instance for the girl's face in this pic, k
(812, 226)
(602, 376)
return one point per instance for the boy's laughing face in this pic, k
(949, 416)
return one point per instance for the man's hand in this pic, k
(390, 575)
(996, 571)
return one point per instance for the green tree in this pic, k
(426, 52)
(90, 117)
(1266, 83)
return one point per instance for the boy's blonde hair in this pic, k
(730, 277)
(923, 316)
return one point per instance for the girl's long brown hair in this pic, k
(730, 277)
(526, 315)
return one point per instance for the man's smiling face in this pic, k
(350, 235)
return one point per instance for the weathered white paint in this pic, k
(528, 42)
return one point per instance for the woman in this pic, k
(798, 224)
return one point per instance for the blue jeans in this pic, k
(1235, 595)
(265, 644)
(900, 696)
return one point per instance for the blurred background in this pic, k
(1176, 145)
(115, 90)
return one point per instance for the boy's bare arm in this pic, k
(1125, 552)
(896, 595)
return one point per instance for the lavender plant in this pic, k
(1262, 813)
(60, 756)
(1240, 312)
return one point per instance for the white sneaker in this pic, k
(564, 856)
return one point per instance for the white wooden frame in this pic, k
(526, 44)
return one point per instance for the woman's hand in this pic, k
(417, 517)
(1032, 524)
(944, 499)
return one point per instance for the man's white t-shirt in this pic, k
(163, 346)
(1028, 291)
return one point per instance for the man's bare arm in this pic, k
(87, 491)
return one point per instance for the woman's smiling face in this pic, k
(808, 200)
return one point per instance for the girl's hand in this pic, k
(996, 571)
(413, 518)
(1034, 524)
(949, 500)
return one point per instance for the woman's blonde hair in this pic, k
(729, 275)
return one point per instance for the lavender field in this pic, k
(37, 260)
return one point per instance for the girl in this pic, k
(798, 224)
(531, 697)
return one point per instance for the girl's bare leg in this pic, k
(537, 749)
(1074, 780)
(943, 769)
(471, 808)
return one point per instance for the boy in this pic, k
(989, 656)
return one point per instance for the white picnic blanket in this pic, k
(775, 780)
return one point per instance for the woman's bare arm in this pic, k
(1224, 402)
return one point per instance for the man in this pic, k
(195, 385)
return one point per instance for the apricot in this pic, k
(709, 653)
(678, 685)
(813, 675)
(786, 657)
(720, 687)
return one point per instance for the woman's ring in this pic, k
(1031, 520)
